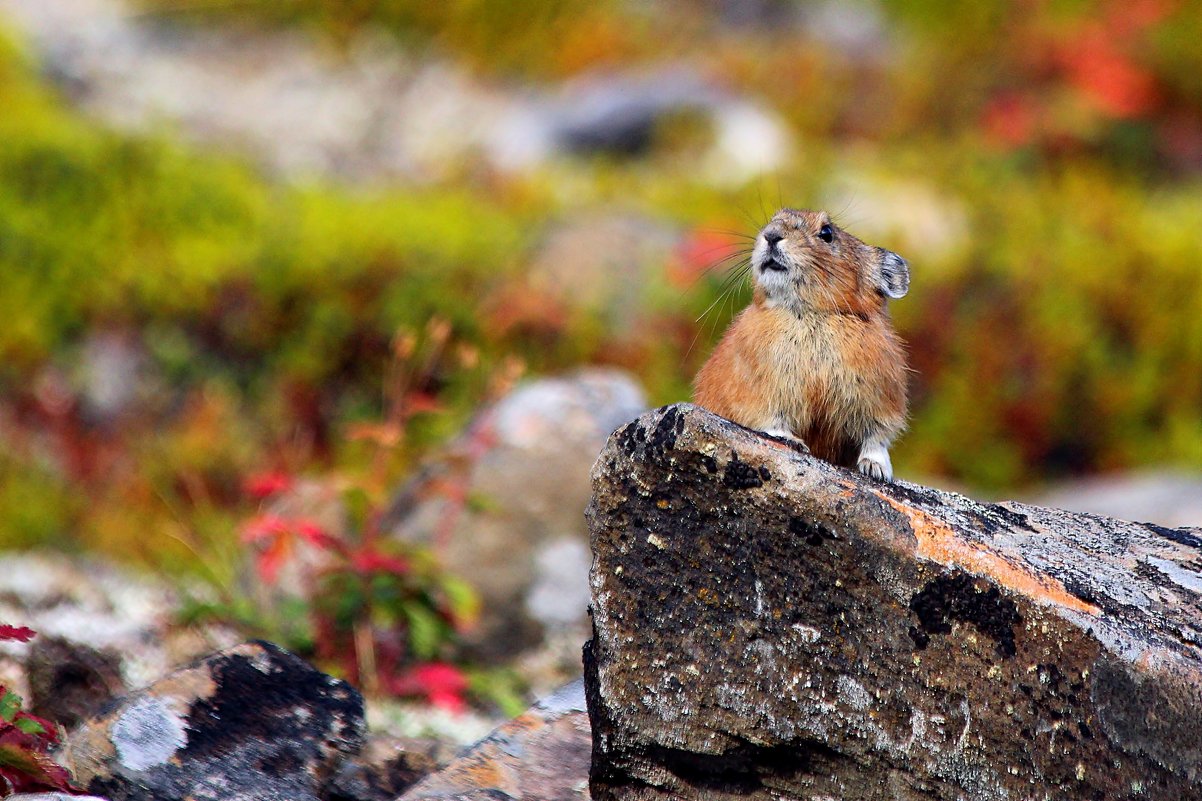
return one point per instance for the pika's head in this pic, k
(802, 259)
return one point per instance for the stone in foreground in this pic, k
(251, 723)
(767, 625)
(541, 755)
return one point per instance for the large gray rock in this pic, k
(770, 626)
(524, 546)
(251, 723)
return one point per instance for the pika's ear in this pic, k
(895, 275)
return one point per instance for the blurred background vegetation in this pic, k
(1039, 163)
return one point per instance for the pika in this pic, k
(815, 357)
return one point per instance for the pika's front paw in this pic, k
(881, 472)
(874, 462)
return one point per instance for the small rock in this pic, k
(386, 767)
(88, 600)
(69, 681)
(542, 755)
(252, 723)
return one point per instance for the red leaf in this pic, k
(314, 534)
(264, 485)
(18, 633)
(265, 528)
(441, 683)
(372, 561)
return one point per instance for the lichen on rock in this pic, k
(253, 723)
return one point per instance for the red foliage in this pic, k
(368, 560)
(26, 740)
(264, 485)
(1110, 78)
(19, 633)
(276, 537)
(1097, 61)
(442, 684)
(1009, 120)
(701, 251)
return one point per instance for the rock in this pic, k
(542, 755)
(69, 681)
(525, 547)
(385, 768)
(767, 625)
(252, 723)
(106, 607)
(619, 113)
(1163, 497)
(112, 376)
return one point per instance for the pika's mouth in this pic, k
(770, 263)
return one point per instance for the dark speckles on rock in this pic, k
(1176, 535)
(709, 463)
(956, 597)
(740, 475)
(663, 438)
(812, 533)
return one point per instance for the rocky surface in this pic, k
(542, 755)
(102, 606)
(69, 681)
(386, 767)
(771, 626)
(524, 545)
(252, 723)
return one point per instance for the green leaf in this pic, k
(10, 705)
(462, 598)
(29, 726)
(426, 631)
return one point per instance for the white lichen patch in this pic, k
(853, 693)
(807, 634)
(148, 734)
(1188, 579)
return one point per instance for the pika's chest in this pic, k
(821, 363)
(809, 349)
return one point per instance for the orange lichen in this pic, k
(940, 543)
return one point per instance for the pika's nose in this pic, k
(772, 237)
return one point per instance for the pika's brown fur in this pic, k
(815, 357)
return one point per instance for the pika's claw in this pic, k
(874, 462)
(787, 436)
(875, 470)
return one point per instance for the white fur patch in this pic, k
(874, 461)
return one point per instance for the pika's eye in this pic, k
(826, 233)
